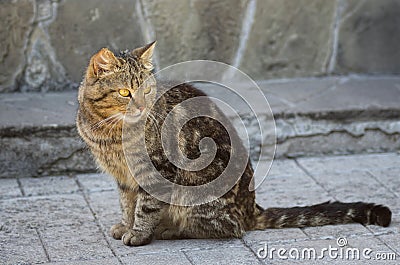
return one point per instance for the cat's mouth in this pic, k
(134, 116)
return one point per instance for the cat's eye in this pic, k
(147, 90)
(124, 92)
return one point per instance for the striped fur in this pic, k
(100, 118)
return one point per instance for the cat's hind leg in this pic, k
(212, 220)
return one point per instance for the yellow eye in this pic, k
(147, 90)
(124, 92)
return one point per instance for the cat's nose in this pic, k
(141, 108)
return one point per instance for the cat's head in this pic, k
(114, 82)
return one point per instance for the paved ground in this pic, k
(65, 220)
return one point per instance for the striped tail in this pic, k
(328, 213)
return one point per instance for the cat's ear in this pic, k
(101, 63)
(144, 55)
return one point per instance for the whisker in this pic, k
(100, 124)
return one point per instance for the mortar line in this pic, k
(85, 197)
(251, 250)
(43, 245)
(383, 242)
(383, 184)
(305, 233)
(188, 258)
(21, 188)
(313, 178)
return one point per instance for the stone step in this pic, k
(313, 116)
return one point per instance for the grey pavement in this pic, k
(65, 220)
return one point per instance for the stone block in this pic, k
(15, 27)
(289, 38)
(97, 182)
(369, 37)
(21, 246)
(49, 185)
(228, 256)
(78, 242)
(55, 211)
(157, 259)
(355, 186)
(281, 189)
(273, 236)
(393, 242)
(81, 29)
(336, 231)
(105, 261)
(56, 151)
(338, 164)
(389, 177)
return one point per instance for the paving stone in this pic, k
(354, 186)
(388, 177)
(269, 252)
(65, 223)
(53, 212)
(105, 261)
(288, 186)
(374, 244)
(20, 246)
(279, 168)
(157, 259)
(325, 258)
(9, 188)
(49, 185)
(96, 182)
(106, 206)
(71, 236)
(350, 162)
(336, 231)
(172, 246)
(274, 235)
(223, 256)
(392, 240)
(75, 242)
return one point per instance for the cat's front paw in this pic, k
(135, 237)
(118, 230)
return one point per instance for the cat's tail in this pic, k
(328, 213)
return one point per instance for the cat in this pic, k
(110, 84)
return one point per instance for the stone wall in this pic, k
(45, 44)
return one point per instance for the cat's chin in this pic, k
(132, 118)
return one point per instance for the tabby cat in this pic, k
(113, 81)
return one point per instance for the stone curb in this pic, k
(314, 116)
